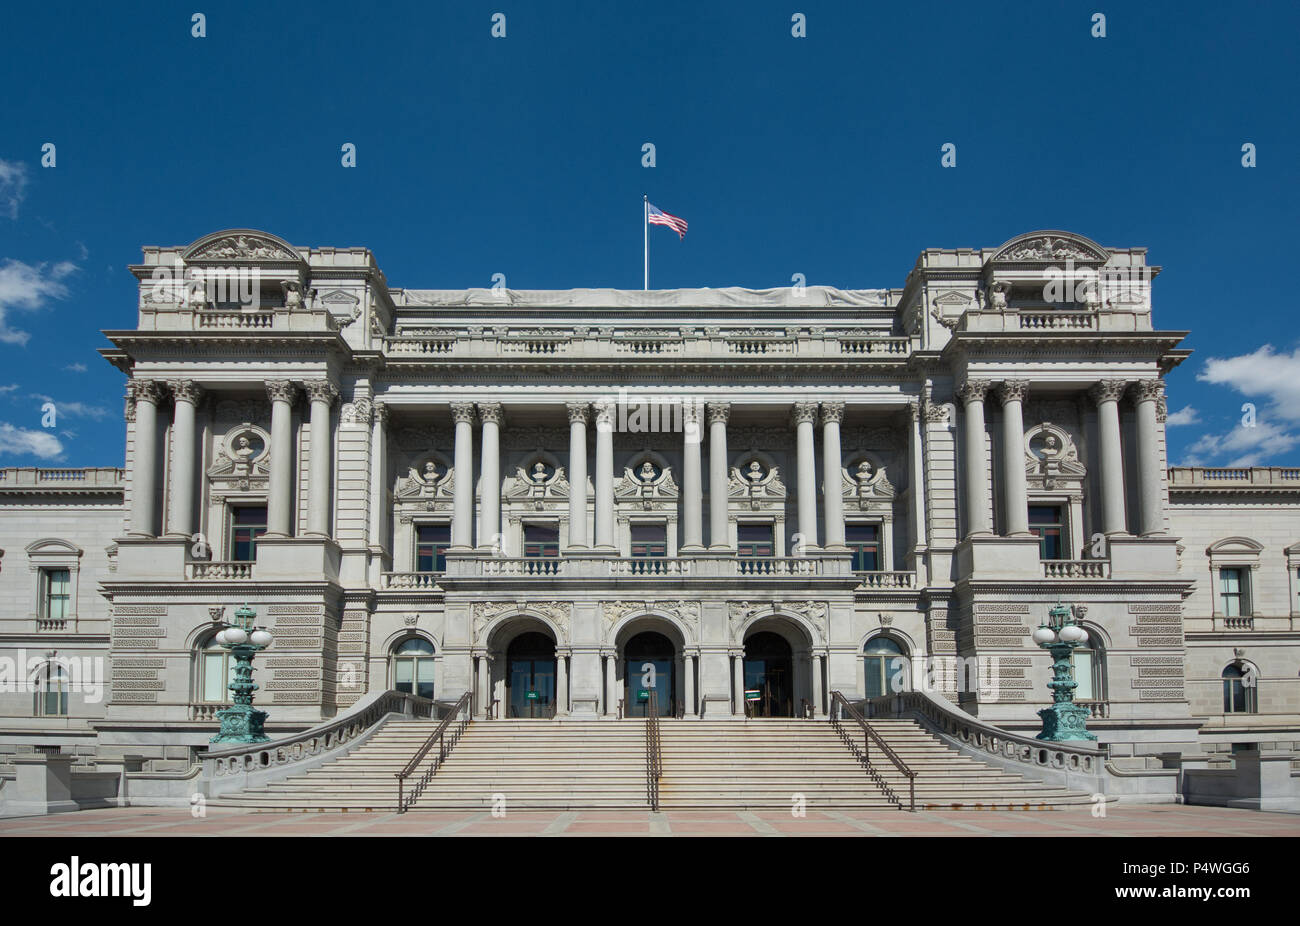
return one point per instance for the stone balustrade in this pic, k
(1076, 568)
(885, 580)
(1205, 477)
(219, 571)
(32, 477)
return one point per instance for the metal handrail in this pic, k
(460, 710)
(653, 759)
(841, 704)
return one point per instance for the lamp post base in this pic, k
(1065, 721)
(241, 724)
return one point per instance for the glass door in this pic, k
(649, 665)
(530, 676)
(769, 676)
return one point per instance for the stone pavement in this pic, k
(1132, 820)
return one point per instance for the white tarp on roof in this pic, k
(730, 296)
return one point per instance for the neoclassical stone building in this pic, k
(536, 496)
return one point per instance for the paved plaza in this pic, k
(1136, 820)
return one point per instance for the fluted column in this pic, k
(1147, 393)
(916, 464)
(185, 399)
(718, 481)
(1015, 486)
(462, 519)
(605, 474)
(578, 415)
(1106, 394)
(975, 465)
(832, 415)
(688, 684)
(692, 478)
(611, 699)
(819, 689)
(378, 475)
(738, 684)
(144, 462)
(804, 416)
(561, 683)
(491, 415)
(320, 393)
(279, 493)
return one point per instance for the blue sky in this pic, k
(522, 155)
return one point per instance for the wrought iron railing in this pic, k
(653, 757)
(446, 735)
(840, 707)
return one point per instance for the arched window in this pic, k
(886, 667)
(51, 693)
(215, 670)
(413, 667)
(1239, 689)
(1090, 670)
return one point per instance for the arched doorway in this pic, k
(769, 676)
(413, 664)
(649, 664)
(883, 661)
(530, 676)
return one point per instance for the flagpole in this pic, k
(645, 230)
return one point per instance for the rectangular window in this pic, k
(431, 543)
(247, 523)
(864, 541)
(218, 673)
(1231, 592)
(649, 540)
(58, 594)
(754, 540)
(1083, 676)
(541, 540)
(1046, 523)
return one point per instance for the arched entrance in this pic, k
(884, 667)
(530, 676)
(768, 676)
(649, 664)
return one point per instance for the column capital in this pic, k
(462, 412)
(1148, 390)
(380, 412)
(145, 390)
(491, 412)
(579, 412)
(832, 412)
(719, 412)
(1108, 390)
(1013, 390)
(803, 412)
(973, 390)
(605, 409)
(281, 390)
(185, 390)
(321, 390)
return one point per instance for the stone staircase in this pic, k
(575, 764)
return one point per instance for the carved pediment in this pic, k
(539, 483)
(242, 460)
(866, 482)
(1051, 247)
(241, 244)
(425, 482)
(648, 483)
(1052, 460)
(762, 486)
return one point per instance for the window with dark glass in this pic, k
(649, 540)
(541, 540)
(247, 523)
(1232, 592)
(58, 594)
(413, 667)
(1046, 523)
(754, 540)
(51, 694)
(864, 541)
(1239, 690)
(431, 543)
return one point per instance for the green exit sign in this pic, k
(752, 695)
(531, 695)
(643, 694)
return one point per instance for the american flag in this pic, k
(656, 216)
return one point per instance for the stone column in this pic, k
(611, 699)
(738, 684)
(688, 686)
(144, 462)
(378, 475)
(605, 474)
(561, 683)
(1106, 394)
(320, 393)
(578, 414)
(818, 673)
(975, 464)
(1015, 487)
(462, 519)
(185, 399)
(803, 416)
(832, 415)
(718, 478)
(491, 415)
(916, 473)
(692, 478)
(279, 505)
(1151, 515)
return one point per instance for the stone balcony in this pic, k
(32, 478)
(174, 317)
(1255, 478)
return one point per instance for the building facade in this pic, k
(559, 500)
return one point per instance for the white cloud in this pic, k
(13, 186)
(20, 441)
(29, 287)
(7, 389)
(1264, 374)
(1185, 415)
(75, 409)
(1244, 446)
(76, 367)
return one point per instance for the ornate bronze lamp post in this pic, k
(1059, 635)
(241, 722)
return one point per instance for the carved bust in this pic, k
(755, 471)
(647, 471)
(864, 473)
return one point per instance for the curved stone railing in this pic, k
(1069, 765)
(233, 768)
